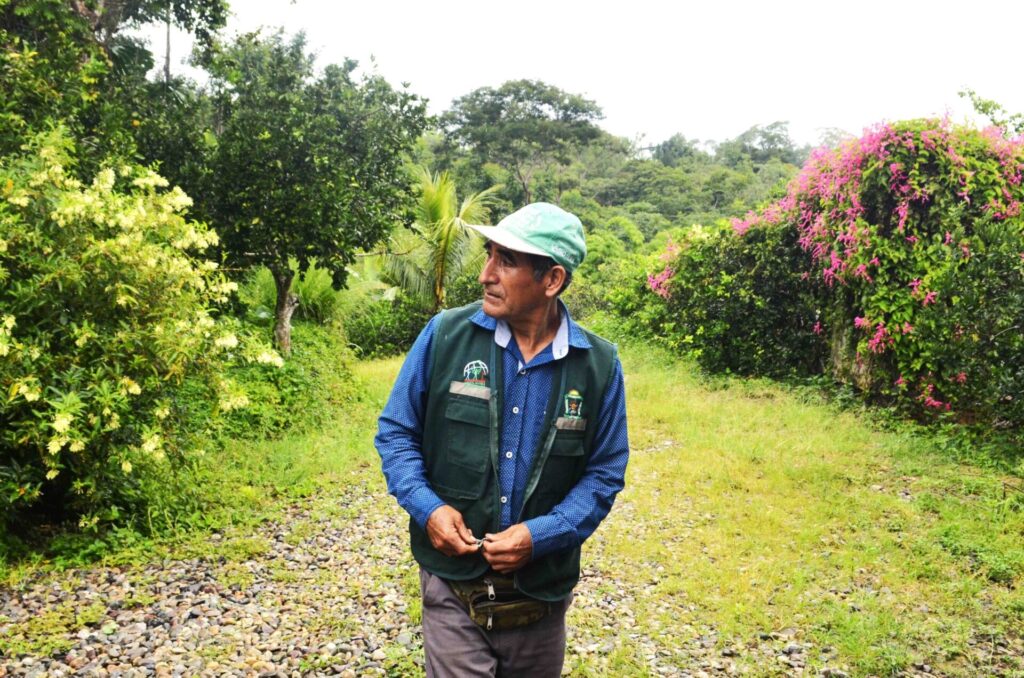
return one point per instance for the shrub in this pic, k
(301, 393)
(385, 327)
(910, 243)
(319, 302)
(738, 304)
(107, 308)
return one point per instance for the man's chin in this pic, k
(492, 306)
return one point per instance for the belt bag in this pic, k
(495, 603)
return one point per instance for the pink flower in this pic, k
(659, 283)
(907, 328)
(899, 382)
(912, 239)
(817, 327)
(881, 340)
(949, 238)
(874, 261)
(929, 298)
(915, 283)
(860, 323)
(960, 378)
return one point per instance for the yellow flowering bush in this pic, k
(105, 307)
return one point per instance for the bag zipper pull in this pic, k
(490, 619)
(490, 590)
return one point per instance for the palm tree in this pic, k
(440, 247)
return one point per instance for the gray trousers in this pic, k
(456, 647)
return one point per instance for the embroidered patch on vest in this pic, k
(475, 372)
(573, 405)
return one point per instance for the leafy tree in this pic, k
(305, 167)
(994, 111)
(202, 18)
(677, 150)
(523, 126)
(70, 62)
(52, 69)
(425, 261)
(759, 145)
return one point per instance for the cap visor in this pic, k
(506, 239)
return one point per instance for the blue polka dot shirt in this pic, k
(526, 390)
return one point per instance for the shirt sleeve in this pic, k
(576, 517)
(400, 432)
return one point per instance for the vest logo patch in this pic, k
(573, 404)
(475, 372)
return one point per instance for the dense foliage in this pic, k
(909, 247)
(107, 306)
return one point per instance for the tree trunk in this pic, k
(287, 302)
(167, 54)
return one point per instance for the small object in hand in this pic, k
(479, 544)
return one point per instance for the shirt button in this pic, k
(521, 372)
(508, 455)
(504, 500)
(515, 410)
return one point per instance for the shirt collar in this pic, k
(569, 333)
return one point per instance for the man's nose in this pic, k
(487, 272)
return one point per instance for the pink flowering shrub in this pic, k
(740, 304)
(912, 238)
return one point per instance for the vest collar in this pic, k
(569, 333)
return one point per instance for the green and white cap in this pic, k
(543, 229)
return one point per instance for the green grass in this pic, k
(756, 509)
(767, 511)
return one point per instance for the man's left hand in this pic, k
(510, 549)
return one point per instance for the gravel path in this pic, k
(330, 589)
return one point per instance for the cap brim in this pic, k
(506, 239)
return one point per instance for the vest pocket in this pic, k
(563, 466)
(468, 450)
(567, 443)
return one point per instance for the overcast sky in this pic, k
(708, 70)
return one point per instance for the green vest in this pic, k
(460, 445)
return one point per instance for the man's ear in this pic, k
(555, 279)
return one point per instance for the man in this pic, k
(505, 440)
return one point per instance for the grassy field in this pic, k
(758, 512)
(751, 512)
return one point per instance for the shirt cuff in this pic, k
(422, 502)
(550, 533)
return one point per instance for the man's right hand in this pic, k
(449, 534)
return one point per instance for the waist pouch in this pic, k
(495, 603)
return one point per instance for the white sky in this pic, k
(708, 69)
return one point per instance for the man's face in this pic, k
(510, 290)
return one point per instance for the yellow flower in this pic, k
(53, 447)
(31, 394)
(129, 385)
(52, 473)
(233, 402)
(270, 358)
(77, 446)
(162, 412)
(226, 341)
(126, 466)
(62, 422)
(152, 443)
(9, 321)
